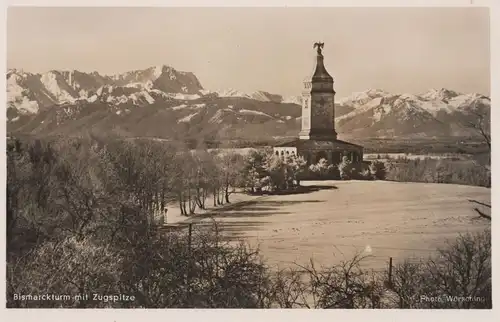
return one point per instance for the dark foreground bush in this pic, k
(165, 271)
(160, 271)
(458, 277)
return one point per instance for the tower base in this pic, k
(318, 135)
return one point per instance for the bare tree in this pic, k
(481, 125)
(346, 285)
(231, 165)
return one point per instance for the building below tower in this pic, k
(318, 139)
(314, 150)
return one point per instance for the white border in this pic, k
(241, 315)
(253, 3)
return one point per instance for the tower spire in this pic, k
(320, 73)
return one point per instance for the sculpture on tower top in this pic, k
(320, 45)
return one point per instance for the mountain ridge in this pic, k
(165, 102)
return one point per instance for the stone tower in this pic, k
(318, 139)
(318, 103)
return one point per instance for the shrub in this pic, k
(377, 170)
(320, 169)
(460, 275)
(345, 168)
(365, 175)
(346, 285)
(266, 171)
(463, 270)
(208, 272)
(161, 271)
(69, 267)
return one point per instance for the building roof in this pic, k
(319, 144)
(320, 73)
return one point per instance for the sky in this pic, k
(400, 50)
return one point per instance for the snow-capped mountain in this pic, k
(257, 95)
(360, 98)
(433, 113)
(293, 100)
(158, 101)
(29, 92)
(230, 92)
(262, 96)
(442, 94)
(163, 102)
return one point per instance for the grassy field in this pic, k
(380, 219)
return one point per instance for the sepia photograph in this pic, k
(248, 157)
